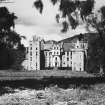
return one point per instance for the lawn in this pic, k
(51, 88)
(13, 75)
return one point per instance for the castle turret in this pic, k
(34, 54)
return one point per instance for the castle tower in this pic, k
(78, 57)
(34, 54)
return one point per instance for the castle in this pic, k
(51, 54)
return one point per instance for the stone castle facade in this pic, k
(51, 54)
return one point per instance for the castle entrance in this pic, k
(56, 61)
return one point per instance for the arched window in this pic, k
(56, 58)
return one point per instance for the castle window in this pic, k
(67, 53)
(36, 48)
(36, 65)
(30, 58)
(36, 53)
(30, 53)
(67, 59)
(56, 58)
(30, 48)
(71, 55)
(50, 53)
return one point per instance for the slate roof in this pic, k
(68, 46)
(82, 37)
(69, 43)
(48, 46)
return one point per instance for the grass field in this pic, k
(51, 88)
(10, 75)
(56, 96)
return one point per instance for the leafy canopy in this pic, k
(72, 11)
(8, 37)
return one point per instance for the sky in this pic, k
(30, 22)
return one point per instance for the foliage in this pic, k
(71, 10)
(39, 5)
(96, 55)
(6, 19)
(97, 49)
(6, 58)
(18, 58)
(10, 41)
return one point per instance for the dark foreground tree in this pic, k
(77, 12)
(18, 56)
(10, 41)
(96, 56)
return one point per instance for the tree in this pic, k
(70, 10)
(18, 57)
(96, 55)
(6, 23)
(10, 41)
(96, 21)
